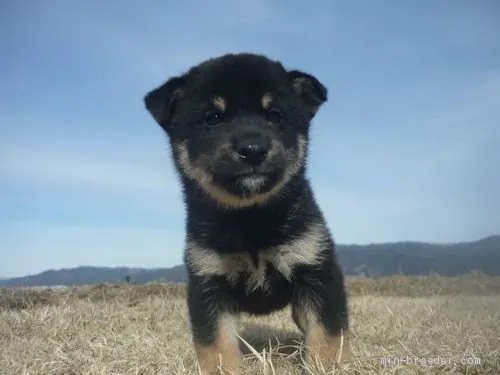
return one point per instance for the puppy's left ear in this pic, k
(312, 92)
(161, 102)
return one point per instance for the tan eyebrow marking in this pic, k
(219, 103)
(266, 100)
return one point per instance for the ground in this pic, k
(127, 329)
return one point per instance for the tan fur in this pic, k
(229, 200)
(305, 250)
(321, 346)
(220, 103)
(225, 353)
(266, 101)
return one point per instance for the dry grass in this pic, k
(121, 329)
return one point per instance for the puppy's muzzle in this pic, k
(253, 150)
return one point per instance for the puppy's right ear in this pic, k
(161, 102)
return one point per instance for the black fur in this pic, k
(184, 108)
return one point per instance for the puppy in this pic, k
(256, 240)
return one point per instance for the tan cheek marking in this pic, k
(188, 168)
(227, 199)
(224, 353)
(220, 103)
(266, 101)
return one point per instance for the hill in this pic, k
(86, 275)
(384, 259)
(420, 258)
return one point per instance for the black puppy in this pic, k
(256, 239)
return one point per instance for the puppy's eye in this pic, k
(274, 116)
(213, 118)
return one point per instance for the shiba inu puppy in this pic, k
(256, 240)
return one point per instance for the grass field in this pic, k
(126, 329)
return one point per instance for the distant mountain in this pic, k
(417, 258)
(92, 275)
(384, 259)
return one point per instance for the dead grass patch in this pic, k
(144, 330)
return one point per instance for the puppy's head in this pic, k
(238, 125)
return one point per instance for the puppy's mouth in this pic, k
(242, 177)
(249, 182)
(253, 172)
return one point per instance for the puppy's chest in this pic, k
(255, 270)
(245, 237)
(258, 268)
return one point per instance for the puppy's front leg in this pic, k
(320, 311)
(213, 331)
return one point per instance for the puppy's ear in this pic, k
(161, 102)
(312, 92)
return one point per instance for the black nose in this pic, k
(253, 151)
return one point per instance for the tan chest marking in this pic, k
(304, 250)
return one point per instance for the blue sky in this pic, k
(407, 147)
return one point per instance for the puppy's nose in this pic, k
(253, 151)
